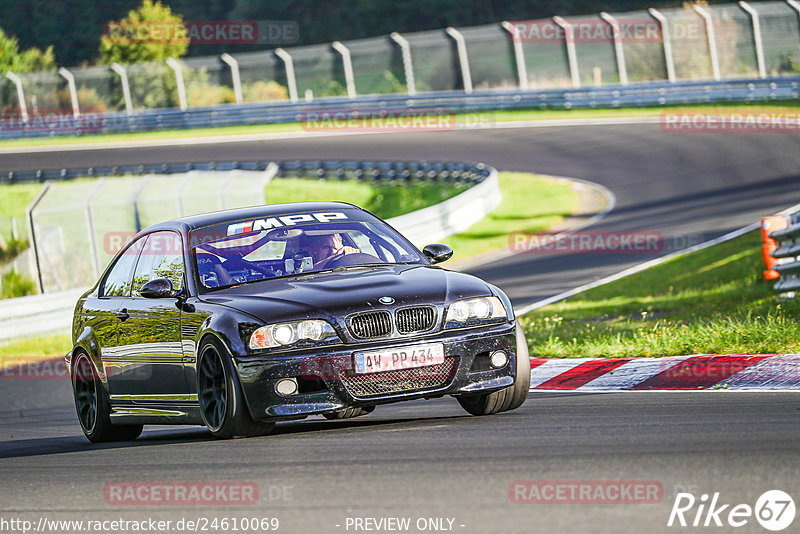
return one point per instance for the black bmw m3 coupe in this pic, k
(238, 319)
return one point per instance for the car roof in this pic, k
(191, 222)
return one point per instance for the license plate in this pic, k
(399, 358)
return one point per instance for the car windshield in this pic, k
(240, 251)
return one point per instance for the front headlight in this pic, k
(284, 334)
(476, 311)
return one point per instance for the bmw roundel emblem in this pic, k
(386, 300)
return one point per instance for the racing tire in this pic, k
(348, 413)
(507, 398)
(518, 393)
(93, 407)
(219, 395)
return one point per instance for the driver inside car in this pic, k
(211, 271)
(324, 248)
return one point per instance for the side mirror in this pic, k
(159, 288)
(437, 253)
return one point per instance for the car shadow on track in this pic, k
(175, 435)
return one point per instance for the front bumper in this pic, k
(326, 377)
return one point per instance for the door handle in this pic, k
(123, 315)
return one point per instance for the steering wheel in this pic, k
(347, 260)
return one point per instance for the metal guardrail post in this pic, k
(757, 41)
(408, 65)
(347, 63)
(235, 78)
(182, 191)
(572, 56)
(669, 59)
(463, 57)
(73, 91)
(619, 51)
(23, 107)
(137, 220)
(90, 227)
(290, 78)
(176, 67)
(712, 39)
(32, 235)
(519, 54)
(126, 88)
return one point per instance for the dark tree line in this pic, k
(74, 27)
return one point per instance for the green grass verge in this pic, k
(462, 119)
(530, 203)
(713, 301)
(34, 349)
(386, 201)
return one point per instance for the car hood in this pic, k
(335, 294)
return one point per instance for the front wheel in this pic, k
(93, 407)
(508, 398)
(221, 400)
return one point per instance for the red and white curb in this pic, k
(703, 371)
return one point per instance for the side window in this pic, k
(118, 281)
(162, 257)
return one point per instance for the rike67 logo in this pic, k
(774, 510)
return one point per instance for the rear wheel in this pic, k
(508, 398)
(348, 413)
(93, 407)
(219, 394)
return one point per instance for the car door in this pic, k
(150, 336)
(101, 312)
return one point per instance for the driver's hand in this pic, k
(347, 250)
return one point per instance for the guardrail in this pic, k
(788, 255)
(376, 171)
(28, 316)
(439, 103)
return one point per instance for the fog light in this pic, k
(286, 386)
(499, 359)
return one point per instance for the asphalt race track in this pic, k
(428, 459)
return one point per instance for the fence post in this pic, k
(619, 51)
(290, 79)
(23, 107)
(347, 63)
(794, 4)
(572, 57)
(669, 60)
(175, 66)
(408, 65)
(90, 227)
(137, 220)
(32, 234)
(126, 88)
(712, 39)
(463, 57)
(519, 54)
(759, 44)
(73, 91)
(235, 78)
